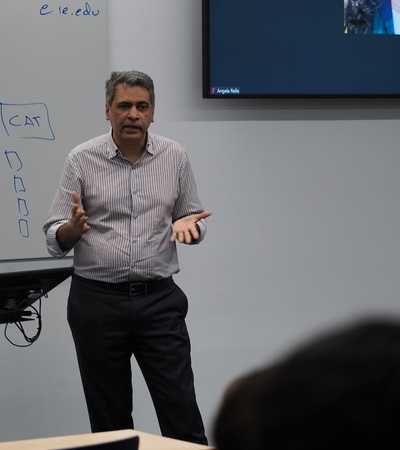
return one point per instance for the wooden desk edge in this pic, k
(147, 441)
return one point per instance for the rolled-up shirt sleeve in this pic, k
(51, 240)
(202, 224)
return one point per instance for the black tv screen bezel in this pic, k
(206, 81)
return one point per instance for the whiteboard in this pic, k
(53, 71)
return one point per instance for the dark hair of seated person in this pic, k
(340, 391)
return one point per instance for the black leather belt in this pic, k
(129, 287)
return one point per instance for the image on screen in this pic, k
(372, 16)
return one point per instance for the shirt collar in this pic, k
(112, 149)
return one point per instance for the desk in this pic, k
(146, 441)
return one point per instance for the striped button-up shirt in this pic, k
(131, 208)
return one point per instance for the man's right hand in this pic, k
(70, 233)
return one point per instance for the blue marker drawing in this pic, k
(23, 228)
(23, 207)
(26, 120)
(14, 161)
(66, 10)
(19, 185)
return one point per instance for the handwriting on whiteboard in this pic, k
(26, 120)
(85, 10)
(15, 164)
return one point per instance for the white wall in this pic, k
(304, 232)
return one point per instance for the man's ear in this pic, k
(107, 112)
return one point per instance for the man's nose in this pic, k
(133, 112)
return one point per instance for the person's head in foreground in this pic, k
(341, 391)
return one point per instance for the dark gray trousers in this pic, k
(108, 327)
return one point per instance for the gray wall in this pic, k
(304, 232)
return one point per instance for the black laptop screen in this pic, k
(19, 290)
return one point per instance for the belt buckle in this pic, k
(133, 288)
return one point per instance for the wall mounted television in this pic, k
(308, 48)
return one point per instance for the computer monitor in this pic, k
(19, 290)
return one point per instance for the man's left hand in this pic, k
(185, 230)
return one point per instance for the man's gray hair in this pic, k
(129, 78)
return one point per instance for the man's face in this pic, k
(130, 115)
